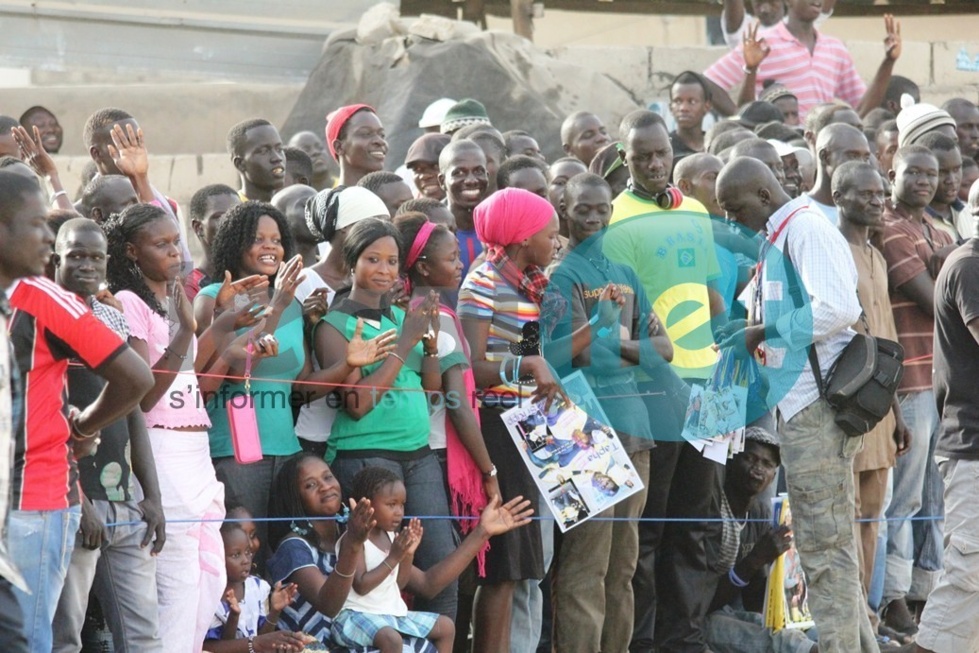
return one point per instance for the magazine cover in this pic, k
(715, 419)
(575, 458)
(786, 597)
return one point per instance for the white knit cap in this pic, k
(357, 203)
(916, 120)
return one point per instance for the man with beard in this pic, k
(463, 177)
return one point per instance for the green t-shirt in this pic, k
(673, 254)
(399, 419)
(271, 389)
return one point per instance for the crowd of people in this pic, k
(296, 440)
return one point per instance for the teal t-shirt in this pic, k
(271, 388)
(399, 420)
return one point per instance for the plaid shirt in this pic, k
(11, 418)
(110, 317)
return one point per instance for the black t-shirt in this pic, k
(107, 475)
(956, 353)
(680, 148)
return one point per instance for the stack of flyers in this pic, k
(575, 458)
(715, 419)
(787, 594)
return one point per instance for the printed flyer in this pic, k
(787, 596)
(575, 458)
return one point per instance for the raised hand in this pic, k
(361, 353)
(182, 306)
(128, 151)
(755, 50)
(250, 285)
(892, 42)
(32, 152)
(498, 519)
(282, 596)
(610, 304)
(403, 541)
(287, 279)
(361, 520)
(314, 306)
(232, 601)
(415, 526)
(418, 321)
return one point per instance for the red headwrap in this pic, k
(506, 217)
(511, 215)
(337, 119)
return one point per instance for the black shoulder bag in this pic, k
(861, 384)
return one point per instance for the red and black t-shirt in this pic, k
(49, 326)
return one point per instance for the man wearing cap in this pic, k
(422, 161)
(835, 145)
(786, 102)
(916, 120)
(355, 136)
(462, 114)
(743, 549)
(817, 67)
(758, 113)
(434, 114)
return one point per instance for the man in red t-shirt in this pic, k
(48, 326)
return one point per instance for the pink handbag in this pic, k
(243, 422)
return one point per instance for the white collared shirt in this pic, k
(828, 278)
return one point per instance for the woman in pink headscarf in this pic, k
(500, 307)
(355, 137)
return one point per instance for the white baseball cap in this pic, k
(435, 112)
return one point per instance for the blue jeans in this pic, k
(875, 596)
(40, 544)
(929, 534)
(737, 631)
(425, 497)
(908, 486)
(123, 575)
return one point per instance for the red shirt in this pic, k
(49, 326)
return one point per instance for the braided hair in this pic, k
(122, 273)
(286, 501)
(371, 480)
(237, 233)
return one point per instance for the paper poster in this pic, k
(574, 457)
(787, 595)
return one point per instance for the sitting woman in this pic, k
(307, 554)
(384, 420)
(253, 251)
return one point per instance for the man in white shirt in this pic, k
(735, 20)
(815, 306)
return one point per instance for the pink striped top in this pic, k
(823, 76)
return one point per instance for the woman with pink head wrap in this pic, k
(500, 307)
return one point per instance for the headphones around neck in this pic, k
(667, 199)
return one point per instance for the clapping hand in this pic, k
(128, 151)
(498, 519)
(282, 596)
(232, 601)
(32, 152)
(361, 520)
(361, 353)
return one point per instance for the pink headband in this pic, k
(418, 245)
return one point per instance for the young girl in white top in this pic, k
(374, 613)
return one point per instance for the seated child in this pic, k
(374, 613)
(240, 514)
(249, 611)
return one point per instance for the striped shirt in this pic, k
(825, 74)
(486, 296)
(907, 247)
(50, 325)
